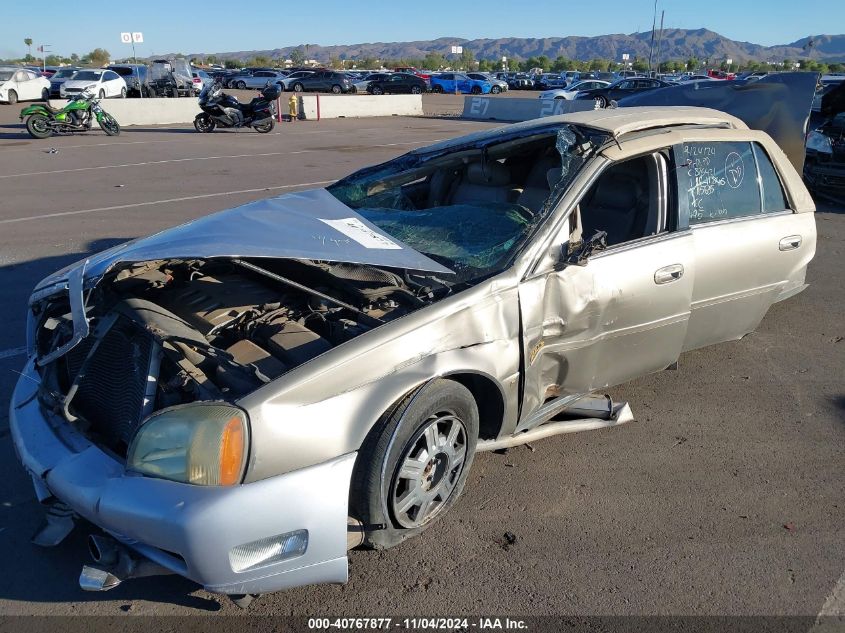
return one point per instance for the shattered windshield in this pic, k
(473, 207)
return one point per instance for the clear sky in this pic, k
(213, 26)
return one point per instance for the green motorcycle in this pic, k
(42, 120)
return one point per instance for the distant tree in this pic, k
(260, 60)
(640, 65)
(434, 61)
(599, 64)
(369, 63)
(836, 67)
(98, 57)
(513, 64)
(485, 65)
(52, 60)
(231, 64)
(692, 64)
(28, 42)
(74, 57)
(467, 59)
(544, 62)
(297, 56)
(210, 59)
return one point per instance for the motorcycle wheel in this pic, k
(263, 128)
(204, 123)
(109, 125)
(38, 126)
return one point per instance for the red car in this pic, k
(721, 74)
(413, 71)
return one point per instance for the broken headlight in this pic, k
(201, 443)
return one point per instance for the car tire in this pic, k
(298, 87)
(476, 90)
(337, 89)
(13, 97)
(602, 102)
(415, 90)
(399, 489)
(437, 89)
(495, 90)
(102, 94)
(123, 93)
(241, 85)
(45, 95)
(377, 91)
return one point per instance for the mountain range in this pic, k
(676, 44)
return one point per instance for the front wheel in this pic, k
(45, 95)
(377, 90)
(414, 462)
(241, 85)
(102, 94)
(13, 97)
(337, 89)
(298, 87)
(495, 90)
(263, 128)
(109, 125)
(415, 90)
(123, 93)
(476, 90)
(204, 123)
(38, 126)
(601, 101)
(437, 89)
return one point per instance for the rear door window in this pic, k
(774, 199)
(718, 180)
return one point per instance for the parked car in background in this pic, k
(685, 78)
(520, 81)
(398, 83)
(721, 74)
(459, 82)
(549, 81)
(570, 92)
(362, 83)
(322, 81)
(296, 75)
(622, 88)
(258, 79)
(105, 83)
(20, 84)
(413, 71)
(135, 76)
(496, 85)
(59, 77)
(200, 79)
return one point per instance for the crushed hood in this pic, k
(305, 225)
(309, 224)
(778, 104)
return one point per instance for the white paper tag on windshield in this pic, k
(361, 233)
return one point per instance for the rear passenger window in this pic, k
(774, 199)
(719, 180)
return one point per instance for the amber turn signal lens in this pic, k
(231, 452)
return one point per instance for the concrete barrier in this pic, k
(147, 111)
(506, 109)
(318, 106)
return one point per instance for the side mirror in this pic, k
(578, 253)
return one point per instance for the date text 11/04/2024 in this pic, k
(419, 623)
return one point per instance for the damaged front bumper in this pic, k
(224, 538)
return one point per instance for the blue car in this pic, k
(458, 82)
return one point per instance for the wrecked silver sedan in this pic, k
(241, 399)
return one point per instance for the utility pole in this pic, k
(653, 25)
(659, 40)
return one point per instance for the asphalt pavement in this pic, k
(725, 497)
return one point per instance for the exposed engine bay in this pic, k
(164, 333)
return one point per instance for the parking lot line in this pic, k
(197, 158)
(834, 606)
(165, 201)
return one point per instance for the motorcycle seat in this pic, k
(51, 109)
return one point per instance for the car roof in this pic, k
(614, 121)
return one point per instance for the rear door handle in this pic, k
(667, 274)
(790, 243)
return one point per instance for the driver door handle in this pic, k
(789, 243)
(668, 274)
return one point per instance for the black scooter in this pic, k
(220, 109)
